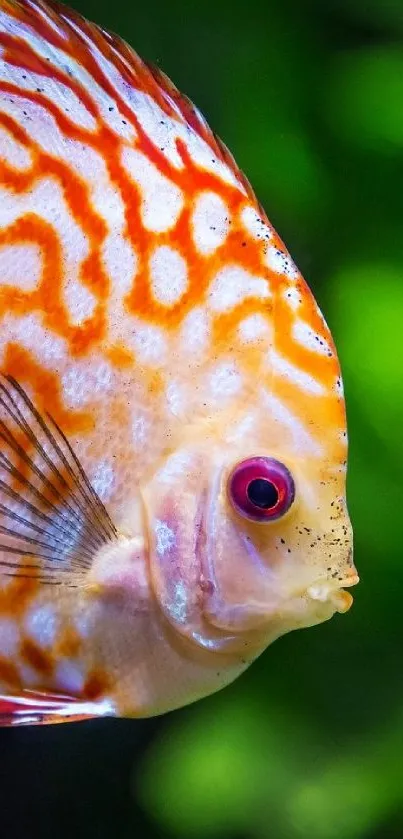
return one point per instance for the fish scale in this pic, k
(148, 307)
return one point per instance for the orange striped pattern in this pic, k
(145, 300)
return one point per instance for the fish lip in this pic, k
(349, 581)
(333, 592)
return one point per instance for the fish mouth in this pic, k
(333, 593)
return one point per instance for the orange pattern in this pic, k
(97, 100)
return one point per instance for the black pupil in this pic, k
(262, 493)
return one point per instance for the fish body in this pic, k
(172, 423)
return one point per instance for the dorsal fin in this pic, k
(65, 29)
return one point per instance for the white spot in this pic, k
(293, 297)
(168, 275)
(149, 344)
(176, 398)
(85, 380)
(140, 428)
(306, 336)
(42, 625)
(75, 387)
(225, 380)
(195, 333)
(120, 262)
(232, 285)
(69, 676)
(165, 537)
(101, 375)
(210, 222)
(280, 262)
(79, 301)
(255, 329)
(9, 638)
(12, 153)
(162, 200)
(282, 367)
(103, 480)
(176, 465)
(21, 266)
(254, 224)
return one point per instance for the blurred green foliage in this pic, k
(308, 95)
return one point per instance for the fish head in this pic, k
(249, 528)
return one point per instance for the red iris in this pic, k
(261, 489)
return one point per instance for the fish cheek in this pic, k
(244, 595)
(174, 523)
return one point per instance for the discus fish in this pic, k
(172, 422)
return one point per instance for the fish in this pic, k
(173, 441)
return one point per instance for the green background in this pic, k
(308, 95)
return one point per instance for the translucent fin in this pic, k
(32, 708)
(52, 521)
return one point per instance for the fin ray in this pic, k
(49, 510)
(35, 708)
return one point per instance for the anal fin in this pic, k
(34, 708)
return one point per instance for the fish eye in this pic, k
(261, 489)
